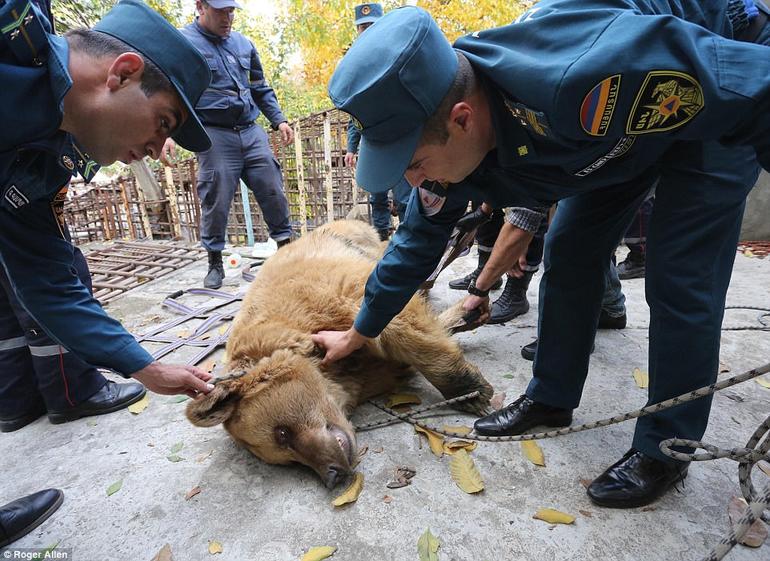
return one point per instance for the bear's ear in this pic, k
(215, 407)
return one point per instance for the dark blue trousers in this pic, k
(381, 205)
(691, 244)
(37, 373)
(235, 155)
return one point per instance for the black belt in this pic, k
(751, 33)
(233, 128)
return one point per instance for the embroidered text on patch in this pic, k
(598, 106)
(623, 146)
(666, 100)
(15, 197)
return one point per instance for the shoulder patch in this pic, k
(431, 202)
(598, 106)
(667, 100)
(536, 121)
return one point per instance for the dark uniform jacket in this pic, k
(36, 161)
(587, 94)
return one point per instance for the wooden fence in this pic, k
(318, 186)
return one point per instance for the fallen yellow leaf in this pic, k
(641, 378)
(763, 381)
(748, 253)
(435, 440)
(223, 329)
(164, 554)
(553, 516)
(459, 430)
(427, 546)
(215, 547)
(464, 472)
(533, 452)
(351, 493)
(453, 446)
(192, 492)
(140, 405)
(757, 533)
(183, 334)
(397, 399)
(319, 553)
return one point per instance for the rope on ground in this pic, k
(747, 457)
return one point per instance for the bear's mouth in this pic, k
(344, 442)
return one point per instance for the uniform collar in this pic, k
(514, 146)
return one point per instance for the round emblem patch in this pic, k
(366, 10)
(68, 163)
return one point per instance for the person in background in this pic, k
(239, 149)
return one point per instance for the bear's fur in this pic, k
(288, 408)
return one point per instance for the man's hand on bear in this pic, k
(170, 379)
(338, 344)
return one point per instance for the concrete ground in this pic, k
(269, 513)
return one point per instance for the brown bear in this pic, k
(287, 408)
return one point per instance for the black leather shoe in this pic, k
(112, 397)
(606, 321)
(522, 415)
(635, 480)
(23, 515)
(10, 424)
(528, 351)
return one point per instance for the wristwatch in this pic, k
(477, 291)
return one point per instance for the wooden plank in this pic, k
(328, 169)
(300, 178)
(173, 203)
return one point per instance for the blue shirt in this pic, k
(36, 161)
(586, 94)
(238, 89)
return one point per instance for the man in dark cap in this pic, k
(552, 107)
(240, 148)
(71, 104)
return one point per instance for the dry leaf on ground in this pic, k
(203, 457)
(723, 367)
(553, 516)
(177, 447)
(459, 430)
(533, 452)
(757, 533)
(360, 455)
(435, 440)
(641, 378)
(497, 401)
(164, 554)
(397, 399)
(427, 546)
(115, 487)
(763, 381)
(387, 499)
(586, 513)
(586, 482)
(350, 494)
(453, 446)
(192, 492)
(378, 450)
(402, 476)
(764, 466)
(215, 547)
(140, 405)
(465, 474)
(174, 458)
(319, 553)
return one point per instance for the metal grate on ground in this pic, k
(126, 265)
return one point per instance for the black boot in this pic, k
(21, 516)
(632, 267)
(216, 270)
(462, 283)
(384, 234)
(10, 424)
(513, 300)
(635, 480)
(282, 243)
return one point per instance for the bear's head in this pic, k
(283, 410)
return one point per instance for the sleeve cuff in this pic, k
(524, 218)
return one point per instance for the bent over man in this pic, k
(552, 108)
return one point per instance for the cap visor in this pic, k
(191, 135)
(381, 166)
(366, 19)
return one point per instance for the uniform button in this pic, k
(68, 163)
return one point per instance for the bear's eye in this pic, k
(282, 436)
